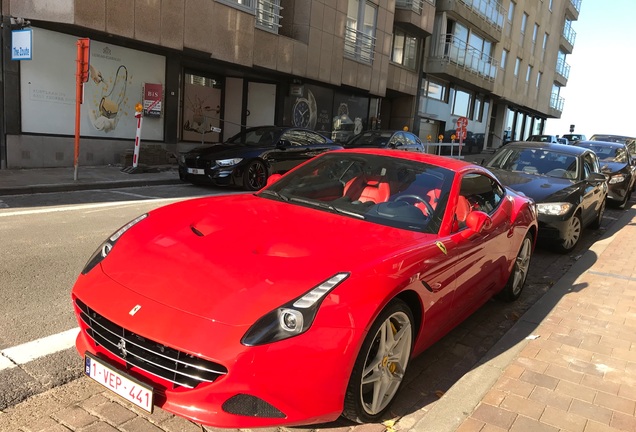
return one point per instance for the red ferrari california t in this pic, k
(305, 301)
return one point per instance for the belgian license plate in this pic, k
(196, 171)
(125, 386)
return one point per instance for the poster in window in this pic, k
(153, 94)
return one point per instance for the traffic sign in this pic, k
(462, 122)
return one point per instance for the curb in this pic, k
(65, 187)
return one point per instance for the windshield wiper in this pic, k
(327, 206)
(275, 194)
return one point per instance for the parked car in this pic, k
(611, 138)
(248, 158)
(543, 138)
(391, 139)
(574, 137)
(470, 144)
(619, 165)
(563, 141)
(231, 310)
(565, 181)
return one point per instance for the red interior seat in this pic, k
(369, 188)
(461, 213)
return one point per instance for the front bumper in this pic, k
(304, 377)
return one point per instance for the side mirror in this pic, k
(477, 221)
(597, 178)
(272, 179)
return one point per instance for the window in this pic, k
(550, 5)
(434, 89)
(528, 73)
(524, 23)
(461, 103)
(482, 193)
(545, 44)
(267, 12)
(511, 12)
(517, 66)
(404, 49)
(360, 30)
(535, 33)
(504, 57)
(539, 79)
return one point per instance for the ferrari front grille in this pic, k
(178, 367)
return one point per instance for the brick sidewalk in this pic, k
(577, 370)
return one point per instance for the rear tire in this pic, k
(381, 364)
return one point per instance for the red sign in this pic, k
(462, 122)
(461, 133)
(153, 94)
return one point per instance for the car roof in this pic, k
(601, 143)
(562, 148)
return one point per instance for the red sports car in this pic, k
(304, 301)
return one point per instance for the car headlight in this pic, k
(554, 209)
(617, 179)
(293, 318)
(105, 248)
(228, 162)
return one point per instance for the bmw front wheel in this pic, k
(381, 364)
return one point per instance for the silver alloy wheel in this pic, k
(521, 266)
(573, 233)
(386, 362)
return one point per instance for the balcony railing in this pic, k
(412, 5)
(268, 15)
(576, 4)
(490, 10)
(359, 45)
(457, 52)
(562, 68)
(556, 102)
(568, 33)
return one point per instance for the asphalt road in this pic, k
(45, 239)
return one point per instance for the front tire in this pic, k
(572, 234)
(519, 273)
(599, 217)
(255, 176)
(381, 364)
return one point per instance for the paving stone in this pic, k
(494, 416)
(563, 420)
(525, 424)
(74, 417)
(590, 411)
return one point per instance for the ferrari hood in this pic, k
(234, 258)
(538, 187)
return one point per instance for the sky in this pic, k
(600, 96)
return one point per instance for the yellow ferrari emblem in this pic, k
(441, 247)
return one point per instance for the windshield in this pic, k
(379, 189)
(370, 139)
(256, 136)
(609, 153)
(536, 161)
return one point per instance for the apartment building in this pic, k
(336, 66)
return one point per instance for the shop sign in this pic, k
(152, 99)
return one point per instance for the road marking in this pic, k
(81, 207)
(21, 354)
(134, 194)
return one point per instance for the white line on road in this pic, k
(79, 207)
(21, 354)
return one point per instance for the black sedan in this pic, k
(565, 181)
(391, 139)
(619, 165)
(248, 158)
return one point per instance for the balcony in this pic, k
(268, 15)
(556, 103)
(359, 46)
(562, 72)
(486, 15)
(454, 58)
(568, 37)
(416, 16)
(572, 9)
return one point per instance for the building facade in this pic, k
(205, 69)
